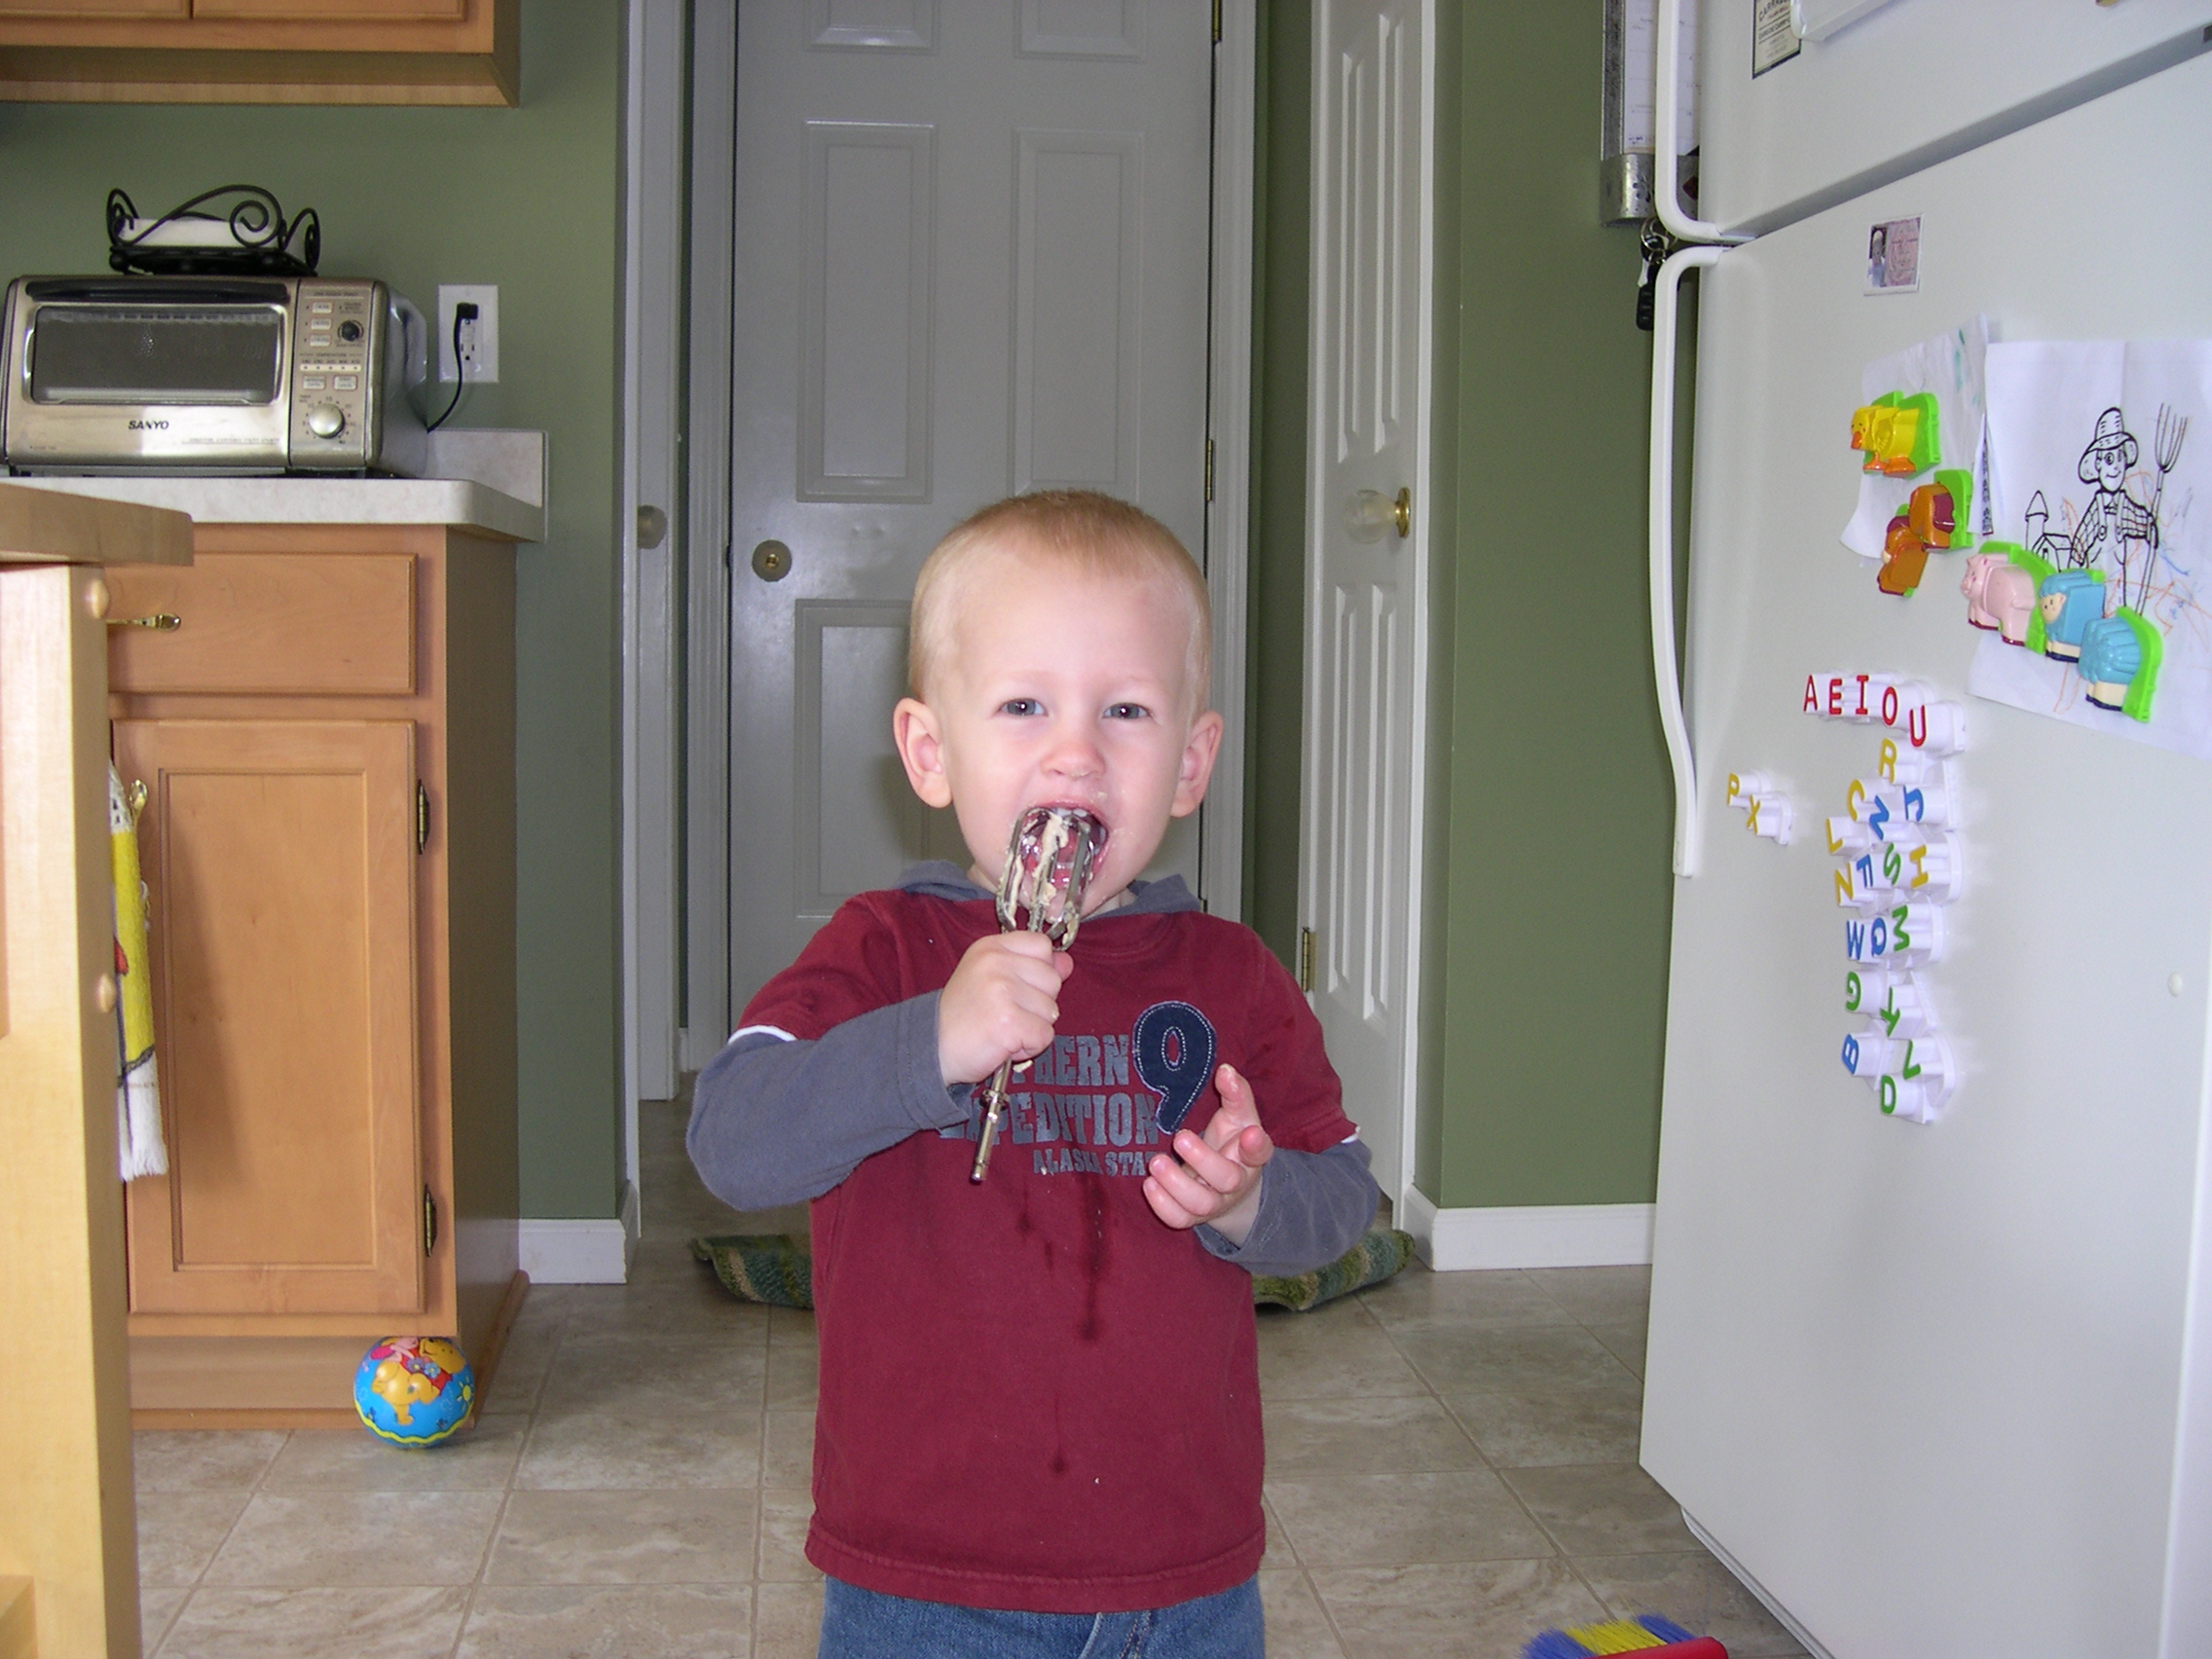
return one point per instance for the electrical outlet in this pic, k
(479, 338)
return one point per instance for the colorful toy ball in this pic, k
(414, 1390)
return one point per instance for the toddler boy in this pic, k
(1038, 1422)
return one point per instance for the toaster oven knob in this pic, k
(326, 420)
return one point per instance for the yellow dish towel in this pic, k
(138, 1090)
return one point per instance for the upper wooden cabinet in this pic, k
(310, 52)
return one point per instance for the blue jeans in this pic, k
(862, 1624)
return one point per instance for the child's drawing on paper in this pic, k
(2121, 640)
(2116, 530)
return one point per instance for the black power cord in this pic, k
(464, 311)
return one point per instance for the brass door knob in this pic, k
(771, 561)
(1370, 515)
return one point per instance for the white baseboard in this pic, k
(694, 1048)
(1531, 1235)
(582, 1252)
(1780, 1613)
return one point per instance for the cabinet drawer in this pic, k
(290, 624)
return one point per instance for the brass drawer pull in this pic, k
(163, 621)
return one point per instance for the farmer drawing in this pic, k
(2115, 522)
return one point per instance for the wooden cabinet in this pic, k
(68, 1563)
(327, 741)
(279, 858)
(310, 52)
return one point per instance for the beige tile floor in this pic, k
(1452, 1469)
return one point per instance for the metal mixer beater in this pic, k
(1048, 860)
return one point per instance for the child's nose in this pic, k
(1074, 753)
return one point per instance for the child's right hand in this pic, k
(1001, 1004)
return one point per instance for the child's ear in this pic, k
(921, 749)
(1197, 769)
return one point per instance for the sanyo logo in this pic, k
(149, 425)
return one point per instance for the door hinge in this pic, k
(1217, 21)
(1209, 469)
(421, 816)
(429, 1220)
(1307, 943)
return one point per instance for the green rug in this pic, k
(778, 1269)
(1373, 1259)
(774, 1268)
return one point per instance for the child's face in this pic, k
(1058, 689)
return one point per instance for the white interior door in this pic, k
(972, 260)
(1366, 622)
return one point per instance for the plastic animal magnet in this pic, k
(2038, 568)
(1932, 514)
(2120, 662)
(2009, 595)
(1959, 485)
(1904, 559)
(1897, 433)
(1974, 584)
(2070, 601)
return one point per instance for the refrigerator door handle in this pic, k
(1666, 193)
(1666, 678)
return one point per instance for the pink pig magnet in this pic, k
(1975, 586)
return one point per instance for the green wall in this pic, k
(1561, 804)
(1545, 930)
(1276, 569)
(529, 199)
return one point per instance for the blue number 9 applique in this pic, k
(1173, 1048)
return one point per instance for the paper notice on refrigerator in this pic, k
(2097, 453)
(1949, 366)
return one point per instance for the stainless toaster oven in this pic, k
(210, 374)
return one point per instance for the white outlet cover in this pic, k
(484, 364)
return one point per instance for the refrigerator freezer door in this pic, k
(1902, 89)
(1927, 1383)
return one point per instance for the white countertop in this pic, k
(515, 460)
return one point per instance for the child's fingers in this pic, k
(1165, 1208)
(1237, 1110)
(1169, 1197)
(1205, 1184)
(1252, 1146)
(1210, 1163)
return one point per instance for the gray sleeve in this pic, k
(1313, 1207)
(775, 1121)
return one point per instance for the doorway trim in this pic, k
(1421, 550)
(652, 57)
(1228, 437)
(689, 1036)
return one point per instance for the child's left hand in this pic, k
(1218, 1180)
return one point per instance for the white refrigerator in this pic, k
(1942, 1388)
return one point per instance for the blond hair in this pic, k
(1079, 531)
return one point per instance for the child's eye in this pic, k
(1127, 712)
(1021, 706)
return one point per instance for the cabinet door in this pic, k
(279, 864)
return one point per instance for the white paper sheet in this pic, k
(2133, 519)
(1950, 366)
